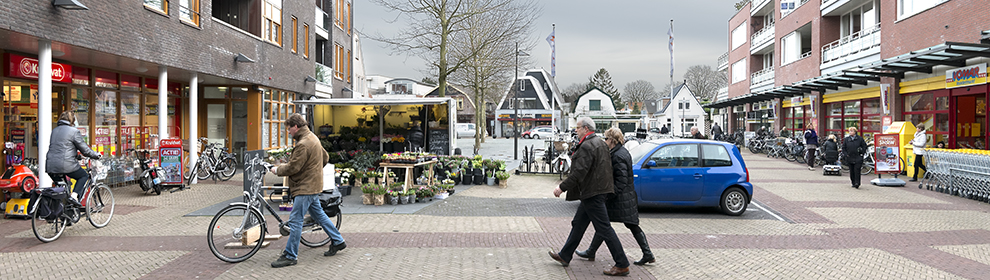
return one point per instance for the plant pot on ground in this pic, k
(491, 180)
(479, 176)
(379, 199)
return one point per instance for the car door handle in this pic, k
(697, 175)
(635, 176)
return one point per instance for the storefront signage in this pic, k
(966, 76)
(884, 90)
(27, 68)
(526, 116)
(887, 152)
(170, 158)
(102, 136)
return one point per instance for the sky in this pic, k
(626, 37)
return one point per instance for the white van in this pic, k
(465, 130)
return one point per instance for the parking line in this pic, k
(769, 212)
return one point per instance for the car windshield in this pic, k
(641, 151)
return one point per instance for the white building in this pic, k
(682, 112)
(539, 104)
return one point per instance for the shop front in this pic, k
(761, 114)
(952, 107)
(506, 123)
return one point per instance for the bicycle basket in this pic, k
(99, 170)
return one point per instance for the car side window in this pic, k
(683, 155)
(715, 155)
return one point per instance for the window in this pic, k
(295, 32)
(347, 20)
(460, 104)
(932, 110)
(159, 5)
(739, 35)
(348, 59)
(715, 155)
(685, 155)
(790, 47)
(859, 19)
(189, 11)
(277, 108)
(306, 40)
(272, 23)
(739, 71)
(907, 8)
(239, 14)
(338, 10)
(594, 105)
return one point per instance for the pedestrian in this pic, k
(854, 146)
(590, 181)
(66, 143)
(664, 130)
(415, 137)
(811, 144)
(919, 142)
(622, 207)
(305, 181)
(831, 150)
(696, 134)
(716, 131)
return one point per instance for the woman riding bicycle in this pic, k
(62, 155)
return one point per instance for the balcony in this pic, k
(323, 22)
(722, 94)
(762, 41)
(324, 74)
(858, 48)
(759, 7)
(838, 7)
(723, 62)
(761, 80)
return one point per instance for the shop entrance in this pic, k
(970, 122)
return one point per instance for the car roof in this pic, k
(688, 141)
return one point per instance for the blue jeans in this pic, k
(301, 204)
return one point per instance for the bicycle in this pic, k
(98, 204)
(213, 161)
(240, 228)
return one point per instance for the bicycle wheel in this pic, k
(867, 166)
(313, 234)
(236, 233)
(800, 155)
(47, 230)
(204, 168)
(99, 206)
(227, 168)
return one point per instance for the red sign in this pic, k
(25, 67)
(170, 155)
(171, 143)
(887, 120)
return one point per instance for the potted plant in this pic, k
(503, 179)
(393, 197)
(479, 172)
(450, 185)
(409, 196)
(379, 194)
(368, 194)
(425, 194)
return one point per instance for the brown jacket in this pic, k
(305, 166)
(591, 170)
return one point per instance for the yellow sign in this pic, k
(966, 76)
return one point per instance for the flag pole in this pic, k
(553, 73)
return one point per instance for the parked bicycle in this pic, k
(52, 212)
(214, 162)
(238, 231)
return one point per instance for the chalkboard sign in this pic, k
(254, 172)
(439, 142)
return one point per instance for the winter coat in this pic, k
(664, 130)
(831, 151)
(590, 172)
(305, 166)
(416, 137)
(622, 206)
(65, 141)
(810, 137)
(854, 147)
(716, 130)
(919, 142)
(698, 136)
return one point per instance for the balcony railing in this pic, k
(722, 94)
(723, 61)
(761, 37)
(760, 77)
(863, 40)
(324, 73)
(797, 5)
(757, 5)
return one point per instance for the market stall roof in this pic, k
(375, 101)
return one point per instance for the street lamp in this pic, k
(515, 102)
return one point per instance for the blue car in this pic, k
(688, 172)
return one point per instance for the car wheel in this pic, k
(536, 136)
(733, 202)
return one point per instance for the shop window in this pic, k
(105, 79)
(128, 82)
(277, 109)
(130, 120)
(189, 11)
(80, 76)
(851, 108)
(920, 102)
(272, 24)
(158, 5)
(105, 122)
(80, 106)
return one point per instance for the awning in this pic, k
(376, 101)
(947, 54)
(986, 37)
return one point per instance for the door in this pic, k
(676, 177)
(970, 122)
(216, 123)
(717, 169)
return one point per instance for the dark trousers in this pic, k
(597, 240)
(592, 211)
(81, 178)
(810, 157)
(919, 162)
(854, 172)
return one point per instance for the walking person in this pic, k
(696, 134)
(854, 146)
(716, 132)
(590, 181)
(622, 207)
(305, 181)
(664, 130)
(811, 144)
(919, 142)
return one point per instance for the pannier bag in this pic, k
(48, 202)
(330, 201)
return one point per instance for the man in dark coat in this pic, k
(590, 181)
(415, 137)
(716, 132)
(622, 207)
(854, 147)
(664, 130)
(696, 134)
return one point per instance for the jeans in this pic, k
(301, 204)
(592, 211)
(81, 178)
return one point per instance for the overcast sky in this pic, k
(626, 37)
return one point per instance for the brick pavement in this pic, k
(829, 231)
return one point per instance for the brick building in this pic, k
(221, 69)
(826, 62)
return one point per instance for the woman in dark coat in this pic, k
(622, 206)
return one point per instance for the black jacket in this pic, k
(622, 206)
(664, 130)
(590, 175)
(831, 151)
(698, 136)
(416, 137)
(854, 147)
(716, 130)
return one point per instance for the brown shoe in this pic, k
(557, 258)
(615, 271)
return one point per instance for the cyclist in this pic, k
(63, 159)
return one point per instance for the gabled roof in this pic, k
(451, 91)
(411, 80)
(674, 94)
(650, 106)
(593, 88)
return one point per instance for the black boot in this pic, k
(645, 246)
(592, 248)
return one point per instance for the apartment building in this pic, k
(334, 53)
(851, 63)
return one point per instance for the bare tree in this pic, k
(638, 91)
(664, 91)
(430, 27)
(487, 46)
(704, 81)
(574, 90)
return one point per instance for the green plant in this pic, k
(476, 164)
(368, 188)
(410, 192)
(502, 175)
(379, 189)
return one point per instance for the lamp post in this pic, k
(515, 102)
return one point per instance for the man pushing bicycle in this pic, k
(305, 181)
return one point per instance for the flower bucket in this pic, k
(404, 199)
(491, 181)
(442, 195)
(394, 200)
(367, 199)
(379, 199)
